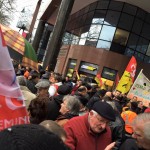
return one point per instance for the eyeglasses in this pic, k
(101, 121)
(134, 134)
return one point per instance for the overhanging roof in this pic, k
(52, 10)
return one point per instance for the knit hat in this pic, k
(29, 137)
(42, 84)
(64, 89)
(105, 110)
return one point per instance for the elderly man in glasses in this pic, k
(91, 131)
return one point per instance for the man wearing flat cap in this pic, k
(91, 131)
(42, 88)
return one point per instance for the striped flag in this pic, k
(12, 106)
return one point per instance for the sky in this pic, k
(29, 6)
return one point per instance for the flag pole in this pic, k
(135, 80)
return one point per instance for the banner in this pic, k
(127, 78)
(117, 80)
(12, 106)
(141, 89)
(99, 80)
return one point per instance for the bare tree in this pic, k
(7, 10)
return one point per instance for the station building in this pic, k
(100, 37)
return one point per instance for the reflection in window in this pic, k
(137, 26)
(91, 42)
(121, 37)
(75, 39)
(148, 50)
(67, 38)
(142, 45)
(82, 41)
(103, 44)
(107, 33)
(84, 35)
(147, 59)
(126, 21)
(83, 38)
(98, 20)
(132, 42)
(100, 14)
(129, 52)
(139, 56)
(112, 18)
(94, 31)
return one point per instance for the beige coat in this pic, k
(28, 95)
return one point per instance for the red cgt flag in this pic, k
(127, 78)
(12, 106)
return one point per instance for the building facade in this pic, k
(101, 36)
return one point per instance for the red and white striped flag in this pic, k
(12, 106)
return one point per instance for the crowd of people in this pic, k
(70, 113)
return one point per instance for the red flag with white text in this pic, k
(127, 78)
(12, 106)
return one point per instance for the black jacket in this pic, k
(54, 106)
(129, 144)
(118, 131)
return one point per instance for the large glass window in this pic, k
(67, 38)
(139, 56)
(100, 14)
(98, 20)
(141, 14)
(75, 39)
(126, 21)
(147, 59)
(112, 25)
(142, 45)
(107, 33)
(129, 9)
(148, 50)
(83, 38)
(146, 31)
(94, 31)
(91, 42)
(129, 52)
(117, 48)
(115, 5)
(103, 44)
(132, 41)
(121, 37)
(112, 17)
(137, 26)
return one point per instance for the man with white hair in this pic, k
(91, 131)
(141, 134)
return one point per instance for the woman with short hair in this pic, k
(69, 109)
